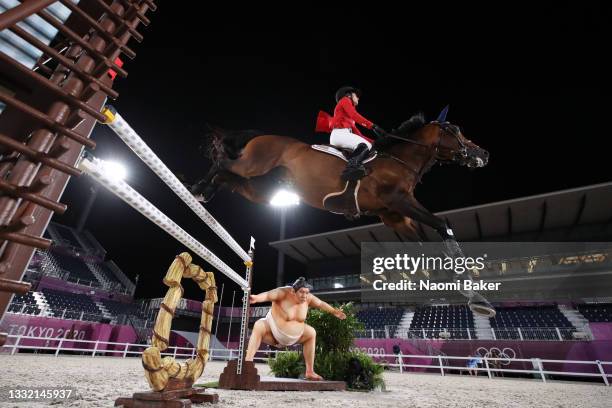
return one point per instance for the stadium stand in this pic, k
(377, 319)
(456, 319)
(66, 235)
(76, 268)
(25, 304)
(535, 322)
(72, 305)
(107, 272)
(596, 312)
(118, 308)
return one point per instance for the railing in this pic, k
(472, 333)
(539, 333)
(109, 286)
(492, 366)
(68, 277)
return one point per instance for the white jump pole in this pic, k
(122, 190)
(135, 142)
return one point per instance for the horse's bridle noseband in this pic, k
(454, 131)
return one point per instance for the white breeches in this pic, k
(346, 139)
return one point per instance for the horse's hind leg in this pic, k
(248, 188)
(403, 226)
(258, 157)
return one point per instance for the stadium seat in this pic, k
(72, 305)
(596, 312)
(456, 319)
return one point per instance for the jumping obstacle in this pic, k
(129, 136)
(172, 383)
(237, 371)
(122, 190)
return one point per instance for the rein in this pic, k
(441, 127)
(418, 173)
(407, 140)
(427, 165)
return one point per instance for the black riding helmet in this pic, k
(301, 283)
(345, 90)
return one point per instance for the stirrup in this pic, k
(351, 173)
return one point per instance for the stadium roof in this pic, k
(579, 214)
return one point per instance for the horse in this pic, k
(251, 164)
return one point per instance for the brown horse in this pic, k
(251, 164)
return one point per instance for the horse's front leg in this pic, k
(408, 206)
(205, 189)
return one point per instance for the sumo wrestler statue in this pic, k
(284, 324)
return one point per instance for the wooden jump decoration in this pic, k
(171, 382)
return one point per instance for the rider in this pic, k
(345, 134)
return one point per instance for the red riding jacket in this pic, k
(345, 117)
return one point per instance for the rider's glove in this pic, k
(380, 132)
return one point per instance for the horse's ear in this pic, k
(442, 116)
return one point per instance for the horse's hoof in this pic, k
(482, 308)
(453, 250)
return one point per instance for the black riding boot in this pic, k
(354, 168)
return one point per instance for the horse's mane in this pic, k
(407, 129)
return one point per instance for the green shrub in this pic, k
(334, 360)
(289, 364)
(331, 366)
(333, 334)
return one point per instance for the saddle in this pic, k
(343, 154)
(344, 201)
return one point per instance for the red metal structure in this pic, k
(50, 110)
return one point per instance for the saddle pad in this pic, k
(338, 153)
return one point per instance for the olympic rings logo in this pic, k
(507, 354)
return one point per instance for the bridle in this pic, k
(444, 127)
(455, 131)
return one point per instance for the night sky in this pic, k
(529, 85)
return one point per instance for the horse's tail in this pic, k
(227, 144)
